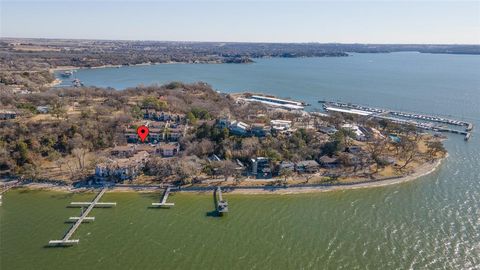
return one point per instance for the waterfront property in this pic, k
(261, 167)
(307, 166)
(169, 150)
(329, 162)
(121, 169)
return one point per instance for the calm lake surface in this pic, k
(430, 223)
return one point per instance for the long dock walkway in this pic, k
(163, 202)
(84, 217)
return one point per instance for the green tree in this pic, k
(286, 173)
(58, 110)
(154, 103)
(136, 112)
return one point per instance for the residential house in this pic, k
(328, 162)
(359, 135)
(155, 135)
(131, 135)
(328, 130)
(161, 116)
(118, 170)
(124, 151)
(259, 130)
(261, 167)
(168, 150)
(279, 125)
(6, 114)
(174, 133)
(223, 123)
(239, 128)
(307, 166)
(285, 166)
(43, 109)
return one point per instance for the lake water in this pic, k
(430, 223)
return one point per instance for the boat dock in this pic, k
(66, 241)
(422, 121)
(222, 205)
(163, 202)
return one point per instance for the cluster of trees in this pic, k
(101, 115)
(64, 139)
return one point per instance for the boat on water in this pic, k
(77, 83)
(66, 73)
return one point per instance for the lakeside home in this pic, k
(121, 169)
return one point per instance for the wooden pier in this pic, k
(66, 241)
(163, 202)
(222, 205)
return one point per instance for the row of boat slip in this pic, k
(431, 118)
(469, 126)
(355, 106)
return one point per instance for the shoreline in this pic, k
(62, 68)
(423, 170)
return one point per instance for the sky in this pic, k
(419, 22)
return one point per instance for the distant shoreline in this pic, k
(421, 171)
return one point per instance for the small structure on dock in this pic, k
(163, 202)
(222, 205)
(66, 241)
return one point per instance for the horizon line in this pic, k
(250, 42)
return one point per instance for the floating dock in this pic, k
(222, 205)
(66, 241)
(163, 202)
(402, 117)
(276, 102)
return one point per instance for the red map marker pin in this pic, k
(142, 132)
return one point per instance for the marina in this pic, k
(66, 241)
(275, 102)
(422, 121)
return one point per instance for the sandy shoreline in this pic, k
(424, 170)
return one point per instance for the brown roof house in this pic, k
(168, 150)
(328, 162)
(307, 166)
(121, 169)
